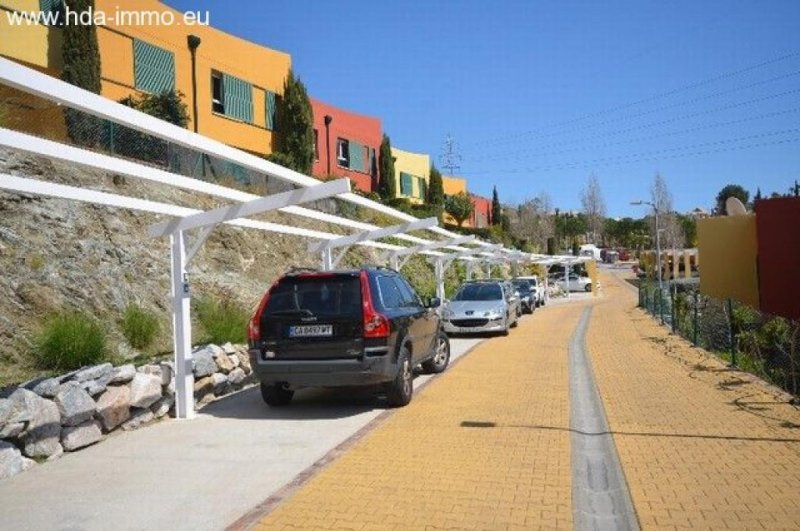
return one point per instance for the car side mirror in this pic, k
(435, 302)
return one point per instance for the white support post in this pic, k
(394, 262)
(566, 276)
(182, 329)
(469, 270)
(439, 270)
(327, 260)
(488, 269)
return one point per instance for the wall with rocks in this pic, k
(43, 418)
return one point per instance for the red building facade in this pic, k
(481, 212)
(346, 144)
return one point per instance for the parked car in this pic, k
(576, 282)
(527, 295)
(363, 327)
(482, 306)
(538, 289)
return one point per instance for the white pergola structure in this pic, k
(345, 242)
(177, 230)
(398, 259)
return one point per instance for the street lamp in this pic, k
(658, 238)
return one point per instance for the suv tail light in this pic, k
(254, 326)
(376, 325)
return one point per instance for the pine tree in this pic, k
(757, 197)
(81, 57)
(387, 188)
(296, 126)
(497, 211)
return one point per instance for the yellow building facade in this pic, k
(237, 83)
(453, 186)
(412, 173)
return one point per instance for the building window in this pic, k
(406, 184)
(57, 7)
(232, 96)
(422, 187)
(217, 96)
(343, 153)
(316, 144)
(153, 68)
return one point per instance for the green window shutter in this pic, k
(271, 110)
(406, 183)
(423, 189)
(238, 96)
(357, 156)
(153, 68)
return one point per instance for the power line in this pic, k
(654, 97)
(655, 155)
(530, 153)
(677, 104)
(695, 115)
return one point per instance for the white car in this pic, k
(576, 283)
(538, 289)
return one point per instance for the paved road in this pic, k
(198, 474)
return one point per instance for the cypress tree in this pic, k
(296, 126)
(435, 188)
(81, 57)
(387, 187)
(497, 211)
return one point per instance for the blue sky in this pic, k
(541, 94)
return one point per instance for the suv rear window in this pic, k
(319, 296)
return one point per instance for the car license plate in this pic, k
(311, 331)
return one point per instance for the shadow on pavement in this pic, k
(488, 424)
(307, 404)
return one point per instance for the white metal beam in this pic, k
(256, 206)
(384, 232)
(32, 186)
(435, 245)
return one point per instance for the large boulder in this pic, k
(40, 438)
(74, 404)
(203, 363)
(223, 361)
(11, 460)
(10, 427)
(145, 390)
(203, 387)
(139, 417)
(122, 374)
(221, 384)
(114, 406)
(167, 372)
(44, 387)
(96, 372)
(163, 406)
(236, 376)
(75, 437)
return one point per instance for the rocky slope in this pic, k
(58, 254)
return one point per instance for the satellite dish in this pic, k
(734, 207)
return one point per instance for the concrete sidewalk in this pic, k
(198, 474)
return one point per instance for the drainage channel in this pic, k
(600, 497)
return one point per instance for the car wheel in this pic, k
(402, 387)
(588, 287)
(505, 328)
(276, 395)
(441, 355)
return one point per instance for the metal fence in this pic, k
(765, 345)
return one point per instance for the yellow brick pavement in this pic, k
(702, 447)
(421, 469)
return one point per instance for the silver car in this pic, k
(482, 306)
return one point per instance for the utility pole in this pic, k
(450, 158)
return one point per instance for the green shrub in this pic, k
(69, 341)
(139, 326)
(222, 319)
